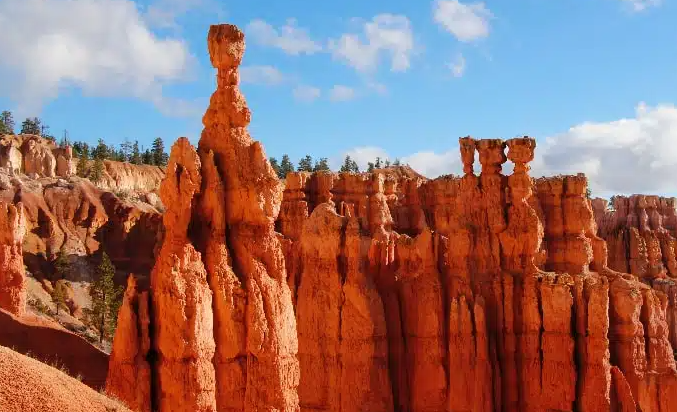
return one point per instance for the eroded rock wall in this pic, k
(390, 292)
(12, 272)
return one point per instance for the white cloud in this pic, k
(631, 155)
(385, 34)
(377, 87)
(102, 47)
(467, 22)
(306, 93)
(431, 164)
(457, 66)
(164, 13)
(290, 39)
(341, 93)
(267, 75)
(362, 155)
(640, 5)
(625, 156)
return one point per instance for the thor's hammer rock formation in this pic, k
(388, 292)
(223, 331)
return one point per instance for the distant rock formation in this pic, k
(352, 292)
(38, 157)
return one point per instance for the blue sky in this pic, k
(586, 78)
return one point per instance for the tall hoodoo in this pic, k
(12, 272)
(474, 293)
(260, 354)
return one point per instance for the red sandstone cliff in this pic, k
(386, 293)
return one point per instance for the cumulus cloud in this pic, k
(467, 22)
(640, 5)
(164, 13)
(103, 47)
(306, 94)
(625, 156)
(385, 35)
(630, 155)
(266, 75)
(457, 66)
(361, 155)
(341, 93)
(290, 38)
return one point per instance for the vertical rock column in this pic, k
(181, 297)
(12, 272)
(318, 308)
(252, 195)
(129, 375)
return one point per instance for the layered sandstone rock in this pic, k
(124, 176)
(38, 157)
(75, 216)
(476, 293)
(12, 273)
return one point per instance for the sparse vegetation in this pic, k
(106, 300)
(6, 123)
(61, 264)
(40, 306)
(59, 296)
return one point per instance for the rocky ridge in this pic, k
(39, 157)
(370, 292)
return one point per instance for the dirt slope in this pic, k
(27, 385)
(51, 344)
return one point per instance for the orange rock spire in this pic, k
(389, 292)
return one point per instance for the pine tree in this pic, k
(101, 150)
(136, 154)
(31, 125)
(61, 264)
(159, 155)
(82, 168)
(59, 295)
(147, 157)
(347, 166)
(286, 166)
(106, 300)
(6, 123)
(78, 148)
(44, 132)
(306, 164)
(323, 164)
(126, 150)
(387, 163)
(97, 170)
(378, 163)
(396, 162)
(275, 165)
(370, 167)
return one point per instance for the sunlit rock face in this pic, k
(390, 292)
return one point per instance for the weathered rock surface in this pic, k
(36, 156)
(12, 272)
(129, 371)
(390, 292)
(80, 218)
